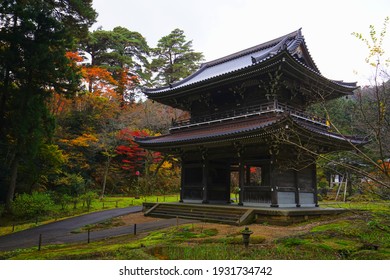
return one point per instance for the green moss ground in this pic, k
(364, 234)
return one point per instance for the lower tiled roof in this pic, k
(251, 127)
(207, 133)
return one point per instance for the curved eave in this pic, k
(212, 134)
(270, 63)
(293, 65)
(267, 64)
(167, 92)
(269, 46)
(247, 130)
(331, 139)
(300, 41)
(259, 54)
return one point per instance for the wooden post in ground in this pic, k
(40, 242)
(340, 184)
(345, 188)
(89, 235)
(135, 229)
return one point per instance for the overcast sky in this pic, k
(221, 27)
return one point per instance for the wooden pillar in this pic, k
(314, 184)
(265, 175)
(241, 171)
(241, 181)
(248, 175)
(274, 188)
(182, 180)
(297, 189)
(205, 173)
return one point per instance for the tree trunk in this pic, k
(3, 101)
(105, 177)
(12, 185)
(7, 79)
(159, 166)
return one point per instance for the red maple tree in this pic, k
(131, 156)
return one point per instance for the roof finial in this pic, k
(253, 60)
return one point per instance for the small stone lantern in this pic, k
(246, 233)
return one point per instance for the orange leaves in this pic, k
(126, 78)
(94, 73)
(77, 149)
(384, 167)
(74, 60)
(58, 104)
(74, 56)
(118, 84)
(127, 81)
(100, 81)
(81, 141)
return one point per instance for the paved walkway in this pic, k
(60, 232)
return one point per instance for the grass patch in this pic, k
(361, 235)
(9, 224)
(237, 240)
(293, 241)
(110, 223)
(358, 206)
(335, 226)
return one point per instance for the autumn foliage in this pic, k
(131, 156)
(100, 81)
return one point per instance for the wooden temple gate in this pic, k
(248, 115)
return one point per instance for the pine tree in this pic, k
(34, 38)
(175, 58)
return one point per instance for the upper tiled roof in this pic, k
(293, 43)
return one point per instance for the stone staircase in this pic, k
(209, 213)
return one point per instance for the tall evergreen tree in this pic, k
(121, 52)
(34, 38)
(175, 58)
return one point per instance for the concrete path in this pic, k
(60, 232)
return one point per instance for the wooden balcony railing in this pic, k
(247, 112)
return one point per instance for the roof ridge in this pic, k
(262, 46)
(247, 51)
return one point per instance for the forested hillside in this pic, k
(71, 105)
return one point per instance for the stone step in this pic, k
(224, 215)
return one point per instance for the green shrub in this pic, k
(31, 205)
(71, 184)
(88, 197)
(62, 199)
